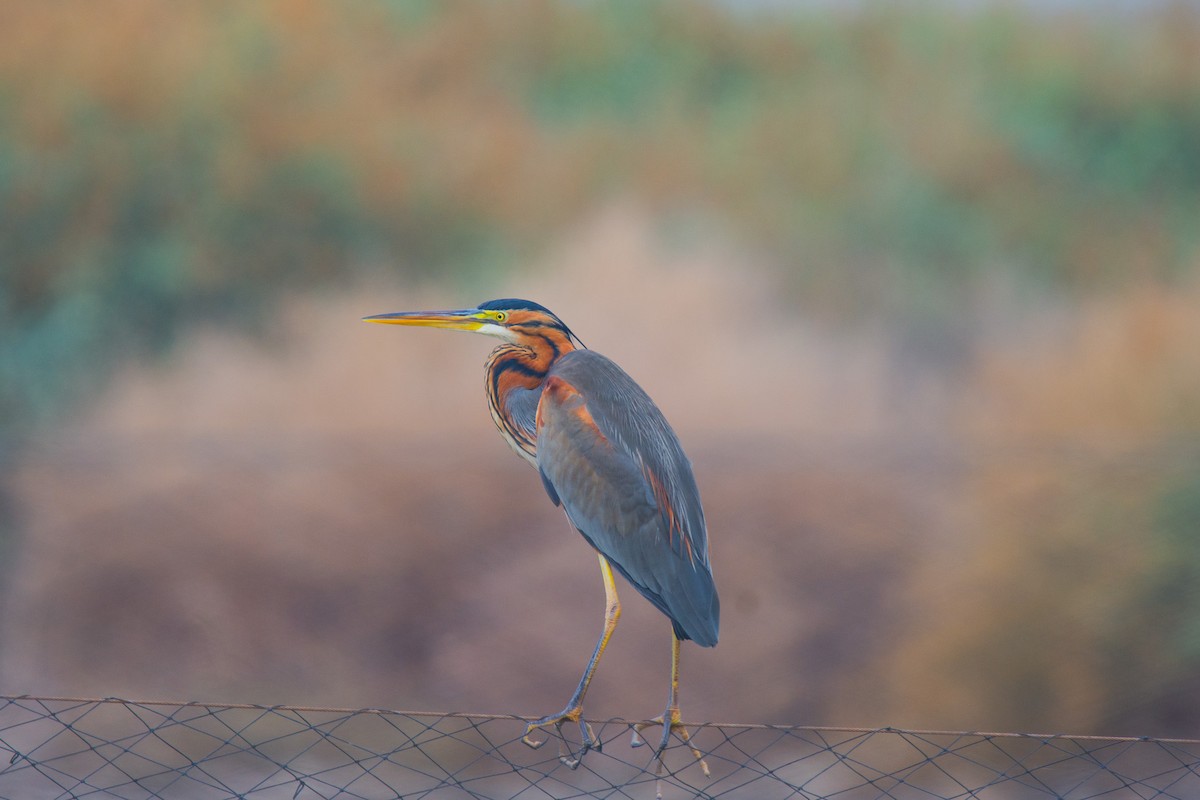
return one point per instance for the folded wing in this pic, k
(608, 456)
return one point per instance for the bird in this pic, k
(608, 457)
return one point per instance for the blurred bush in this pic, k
(1070, 603)
(166, 164)
(162, 164)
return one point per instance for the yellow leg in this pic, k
(670, 719)
(574, 710)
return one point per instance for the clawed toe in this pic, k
(636, 740)
(675, 726)
(587, 736)
(528, 740)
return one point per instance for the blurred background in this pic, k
(917, 284)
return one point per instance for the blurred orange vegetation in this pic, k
(918, 289)
(1123, 371)
(1075, 433)
(795, 130)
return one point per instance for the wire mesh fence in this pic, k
(109, 748)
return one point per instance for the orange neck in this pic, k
(515, 375)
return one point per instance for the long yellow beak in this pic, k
(466, 320)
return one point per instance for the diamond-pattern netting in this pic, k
(77, 748)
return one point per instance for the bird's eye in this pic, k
(500, 316)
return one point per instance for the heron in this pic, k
(607, 456)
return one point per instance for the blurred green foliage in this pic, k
(112, 242)
(1174, 594)
(169, 168)
(168, 164)
(1152, 635)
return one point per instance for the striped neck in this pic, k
(515, 374)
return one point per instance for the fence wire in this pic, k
(110, 748)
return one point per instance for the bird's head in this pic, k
(521, 322)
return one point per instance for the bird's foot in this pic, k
(675, 726)
(587, 737)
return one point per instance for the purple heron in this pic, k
(608, 457)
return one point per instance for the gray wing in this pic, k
(607, 454)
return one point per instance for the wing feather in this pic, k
(606, 452)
